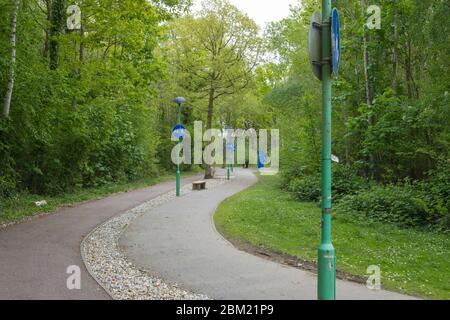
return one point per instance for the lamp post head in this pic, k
(179, 100)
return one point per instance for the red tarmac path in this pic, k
(35, 255)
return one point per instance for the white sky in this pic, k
(262, 11)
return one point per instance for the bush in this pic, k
(405, 205)
(7, 188)
(306, 188)
(345, 181)
(436, 195)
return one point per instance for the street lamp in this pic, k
(179, 101)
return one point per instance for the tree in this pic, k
(79, 124)
(217, 51)
(11, 71)
(57, 22)
(390, 102)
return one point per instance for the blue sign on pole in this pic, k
(231, 147)
(335, 41)
(262, 158)
(179, 132)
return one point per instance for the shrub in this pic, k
(436, 196)
(7, 188)
(405, 205)
(345, 181)
(306, 188)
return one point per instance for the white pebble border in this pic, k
(120, 278)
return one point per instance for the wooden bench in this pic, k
(199, 185)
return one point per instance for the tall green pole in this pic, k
(327, 258)
(178, 175)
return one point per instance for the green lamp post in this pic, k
(326, 252)
(325, 54)
(179, 101)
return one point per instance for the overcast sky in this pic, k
(262, 11)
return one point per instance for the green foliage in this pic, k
(215, 52)
(390, 111)
(7, 188)
(84, 111)
(345, 182)
(435, 199)
(398, 204)
(423, 204)
(400, 132)
(391, 117)
(306, 188)
(408, 205)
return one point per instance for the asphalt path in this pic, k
(179, 243)
(35, 255)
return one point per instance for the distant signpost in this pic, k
(335, 41)
(262, 159)
(230, 148)
(179, 132)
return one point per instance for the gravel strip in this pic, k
(110, 267)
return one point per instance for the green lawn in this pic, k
(22, 206)
(411, 261)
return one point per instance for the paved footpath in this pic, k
(178, 242)
(34, 255)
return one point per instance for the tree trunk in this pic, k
(81, 44)
(45, 47)
(12, 66)
(366, 72)
(413, 91)
(369, 99)
(366, 60)
(208, 169)
(369, 94)
(395, 58)
(57, 16)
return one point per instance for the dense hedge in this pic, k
(402, 204)
(345, 181)
(424, 204)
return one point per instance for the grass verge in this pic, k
(22, 206)
(411, 261)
